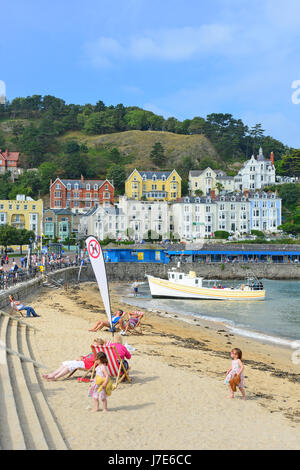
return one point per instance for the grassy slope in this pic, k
(138, 144)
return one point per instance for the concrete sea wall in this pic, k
(128, 272)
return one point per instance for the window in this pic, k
(58, 186)
(69, 186)
(95, 187)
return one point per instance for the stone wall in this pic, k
(128, 272)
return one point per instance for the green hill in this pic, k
(137, 145)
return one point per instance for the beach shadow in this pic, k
(131, 407)
(143, 380)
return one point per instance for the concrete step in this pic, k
(33, 432)
(11, 433)
(50, 428)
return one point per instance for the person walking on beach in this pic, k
(101, 370)
(135, 287)
(236, 369)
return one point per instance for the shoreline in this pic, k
(178, 373)
(188, 317)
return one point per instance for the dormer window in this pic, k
(257, 195)
(163, 178)
(186, 199)
(233, 198)
(154, 177)
(69, 187)
(144, 177)
(208, 199)
(76, 186)
(197, 200)
(95, 187)
(88, 187)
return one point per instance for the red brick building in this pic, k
(9, 161)
(80, 195)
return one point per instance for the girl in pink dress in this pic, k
(237, 368)
(101, 370)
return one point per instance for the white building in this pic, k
(256, 173)
(265, 211)
(193, 218)
(142, 216)
(233, 213)
(104, 222)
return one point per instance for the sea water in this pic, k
(275, 319)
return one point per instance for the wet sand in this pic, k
(177, 399)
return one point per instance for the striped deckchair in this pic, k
(115, 364)
(133, 330)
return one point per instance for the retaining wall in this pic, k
(128, 272)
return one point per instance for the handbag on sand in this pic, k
(234, 382)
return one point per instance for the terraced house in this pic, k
(80, 195)
(153, 185)
(59, 223)
(23, 212)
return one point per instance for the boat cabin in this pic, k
(189, 279)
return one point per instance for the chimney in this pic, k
(50, 182)
(272, 158)
(213, 194)
(246, 193)
(82, 178)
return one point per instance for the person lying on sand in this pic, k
(82, 362)
(101, 324)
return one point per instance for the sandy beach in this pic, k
(177, 399)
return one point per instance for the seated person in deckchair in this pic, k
(101, 324)
(132, 322)
(18, 306)
(82, 362)
(122, 351)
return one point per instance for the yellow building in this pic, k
(23, 212)
(209, 180)
(153, 185)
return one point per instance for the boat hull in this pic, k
(163, 288)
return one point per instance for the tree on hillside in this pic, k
(290, 163)
(116, 174)
(157, 155)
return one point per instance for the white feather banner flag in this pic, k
(98, 264)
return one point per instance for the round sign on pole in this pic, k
(94, 248)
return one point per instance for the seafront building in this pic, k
(188, 218)
(60, 224)
(153, 185)
(80, 195)
(265, 211)
(103, 222)
(23, 213)
(143, 217)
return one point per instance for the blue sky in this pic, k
(177, 58)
